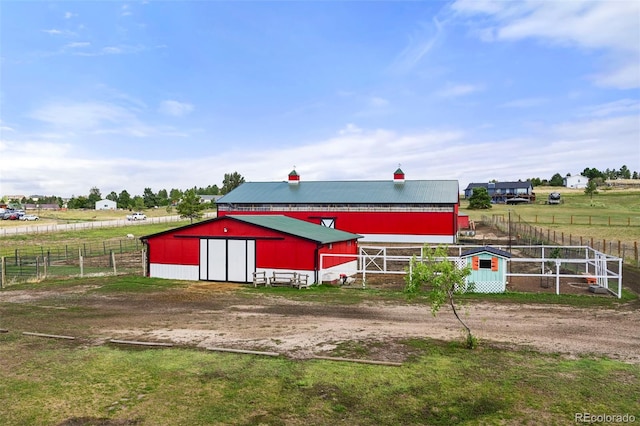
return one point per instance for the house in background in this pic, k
(232, 247)
(394, 210)
(578, 181)
(502, 192)
(106, 205)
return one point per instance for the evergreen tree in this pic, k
(480, 199)
(556, 180)
(190, 206)
(231, 181)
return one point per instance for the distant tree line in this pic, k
(593, 174)
(148, 199)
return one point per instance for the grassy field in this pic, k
(62, 382)
(612, 215)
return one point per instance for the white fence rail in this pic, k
(549, 262)
(78, 226)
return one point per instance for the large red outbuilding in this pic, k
(231, 248)
(398, 210)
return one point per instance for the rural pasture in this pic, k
(344, 355)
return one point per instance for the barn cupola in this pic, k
(294, 177)
(398, 176)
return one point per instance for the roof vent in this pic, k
(294, 177)
(398, 176)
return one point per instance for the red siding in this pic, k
(273, 249)
(407, 223)
(342, 247)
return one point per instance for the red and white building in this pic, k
(395, 210)
(233, 247)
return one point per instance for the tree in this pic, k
(124, 200)
(94, 197)
(231, 181)
(480, 199)
(163, 198)
(624, 173)
(137, 202)
(190, 206)
(112, 196)
(174, 196)
(536, 181)
(445, 280)
(150, 199)
(556, 180)
(591, 188)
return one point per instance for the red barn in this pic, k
(398, 210)
(231, 248)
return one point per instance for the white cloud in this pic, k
(419, 45)
(622, 106)
(175, 108)
(378, 102)
(606, 26)
(524, 103)
(78, 44)
(457, 90)
(82, 115)
(69, 15)
(352, 153)
(56, 32)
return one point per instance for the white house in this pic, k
(106, 205)
(578, 181)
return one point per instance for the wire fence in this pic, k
(521, 232)
(112, 257)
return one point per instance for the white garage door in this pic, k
(227, 260)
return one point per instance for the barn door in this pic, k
(227, 260)
(241, 260)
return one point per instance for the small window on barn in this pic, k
(485, 264)
(328, 222)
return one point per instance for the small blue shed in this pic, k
(488, 269)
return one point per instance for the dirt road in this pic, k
(217, 315)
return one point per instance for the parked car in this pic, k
(29, 217)
(11, 216)
(136, 216)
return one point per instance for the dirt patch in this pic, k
(204, 315)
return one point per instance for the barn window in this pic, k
(328, 222)
(485, 264)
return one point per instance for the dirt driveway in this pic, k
(208, 315)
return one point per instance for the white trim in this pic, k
(174, 272)
(400, 238)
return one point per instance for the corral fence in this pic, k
(80, 226)
(561, 269)
(522, 232)
(114, 257)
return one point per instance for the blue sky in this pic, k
(174, 94)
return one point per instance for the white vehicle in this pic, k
(136, 216)
(29, 217)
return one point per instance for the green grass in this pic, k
(611, 215)
(47, 381)
(442, 385)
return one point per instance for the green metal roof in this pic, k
(298, 228)
(345, 192)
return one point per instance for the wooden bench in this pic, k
(302, 281)
(260, 278)
(292, 279)
(284, 278)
